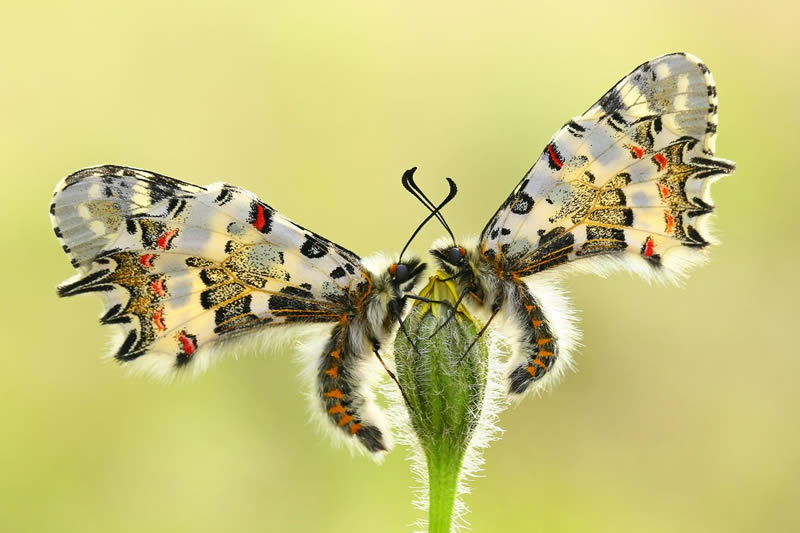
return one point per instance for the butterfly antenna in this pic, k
(410, 186)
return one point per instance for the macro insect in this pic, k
(184, 270)
(624, 185)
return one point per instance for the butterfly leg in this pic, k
(538, 345)
(344, 388)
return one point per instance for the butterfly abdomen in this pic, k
(344, 382)
(537, 349)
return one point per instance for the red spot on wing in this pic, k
(648, 247)
(188, 344)
(164, 241)
(158, 320)
(637, 151)
(551, 152)
(663, 190)
(670, 222)
(260, 220)
(146, 260)
(661, 161)
(158, 287)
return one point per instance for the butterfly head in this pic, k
(405, 274)
(451, 259)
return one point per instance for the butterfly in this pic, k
(185, 270)
(624, 185)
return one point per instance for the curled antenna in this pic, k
(410, 186)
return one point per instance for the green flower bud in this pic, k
(445, 386)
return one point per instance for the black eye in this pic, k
(400, 272)
(454, 255)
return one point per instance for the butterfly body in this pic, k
(625, 185)
(185, 270)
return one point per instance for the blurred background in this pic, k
(683, 415)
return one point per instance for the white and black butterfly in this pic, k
(624, 185)
(184, 270)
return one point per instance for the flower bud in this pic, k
(443, 375)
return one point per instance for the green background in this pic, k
(684, 414)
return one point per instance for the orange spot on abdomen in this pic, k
(336, 409)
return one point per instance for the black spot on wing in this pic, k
(523, 204)
(225, 195)
(126, 351)
(611, 102)
(697, 240)
(313, 249)
(233, 309)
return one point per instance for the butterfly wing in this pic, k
(626, 184)
(628, 181)
(183, 269)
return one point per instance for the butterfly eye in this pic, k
(456, 254)
(399, 272)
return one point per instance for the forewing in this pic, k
(182, 267)
(628, 179)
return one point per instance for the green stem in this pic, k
(443, 471)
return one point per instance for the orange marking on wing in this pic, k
(543, 341)
(333, 371)
(663, 190)
(158, 287)
(146, 260)
(165, 239)
(346, 419)
(670, 222)
(187, 344)
(335, 393)
(158, 320)
(661, 161)
(637, 151)
(648, 247)
(336, 409)
(355, 428)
